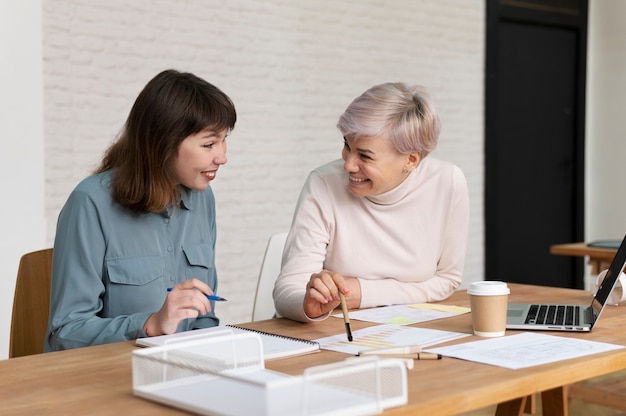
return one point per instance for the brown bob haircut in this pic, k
(171, 107)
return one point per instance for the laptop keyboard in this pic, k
(553, 315)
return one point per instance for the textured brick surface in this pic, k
(291, 67)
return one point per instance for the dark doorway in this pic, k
(534, 147)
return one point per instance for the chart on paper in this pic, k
(406, 314)
(386, 336)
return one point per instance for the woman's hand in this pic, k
(322, 293)
(185, 300)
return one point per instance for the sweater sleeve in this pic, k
(77, 287)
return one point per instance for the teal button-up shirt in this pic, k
(111, 266)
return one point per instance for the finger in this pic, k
(201, 286)
(324, 286)
(194, 283)
(171, 322)
(313, 294)
(189, 299)
(335, 283)
(340, 283)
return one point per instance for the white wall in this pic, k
(606, 122)
(290, 66)
(605, 199)
(22, 154)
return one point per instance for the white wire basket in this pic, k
(226, 375)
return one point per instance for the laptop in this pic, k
(563, 317)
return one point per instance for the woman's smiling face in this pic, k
(199, 157)
(374, 166)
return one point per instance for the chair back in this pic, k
(270, 269)
(31, 304)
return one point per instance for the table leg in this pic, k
(531, 404)
(512, 407)
(554, 402)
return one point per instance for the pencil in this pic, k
(209, 297)
(404, 349)
(346, 318)
(414, 356)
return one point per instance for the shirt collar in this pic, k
(186, 201)
(186, 197)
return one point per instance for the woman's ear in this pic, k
(413, 159)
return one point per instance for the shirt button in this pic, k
(169, 249)
(166, 220)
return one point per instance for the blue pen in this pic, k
(209, 297)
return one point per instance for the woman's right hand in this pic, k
(322, 293)
(185, 300)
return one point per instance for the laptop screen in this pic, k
(617, 265)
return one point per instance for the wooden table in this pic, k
(98, 380)
(599, 258)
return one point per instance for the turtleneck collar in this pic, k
(399, 192)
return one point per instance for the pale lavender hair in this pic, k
(401, 113)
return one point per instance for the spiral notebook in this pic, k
(274, 345)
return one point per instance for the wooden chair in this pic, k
(31, 304)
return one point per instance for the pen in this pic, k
(408, 349)
(346, 318)
(415, 356)
(209, 297)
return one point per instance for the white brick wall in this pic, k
(291, 67)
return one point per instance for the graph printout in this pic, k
(406, 314)
(386, 336)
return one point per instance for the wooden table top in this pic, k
(98, 380)
(582, 249)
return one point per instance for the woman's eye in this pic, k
(208, 145)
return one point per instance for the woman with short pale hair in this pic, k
(387, 224)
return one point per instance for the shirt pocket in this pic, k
(200, 258)
(134, 271)
(135, 285)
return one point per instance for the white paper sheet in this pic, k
(386, 336)
(524, 350)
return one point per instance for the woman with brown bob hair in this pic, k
(134, 252)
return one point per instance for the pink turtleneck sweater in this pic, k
(407, 245)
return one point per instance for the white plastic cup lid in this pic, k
(488, 288)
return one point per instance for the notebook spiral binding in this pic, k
(306, 341)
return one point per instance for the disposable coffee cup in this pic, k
(488, 301)
(617, 295)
